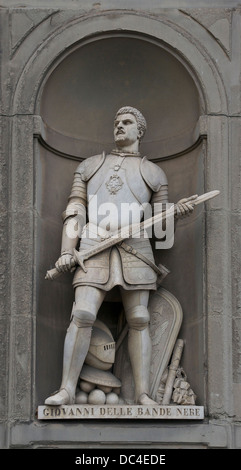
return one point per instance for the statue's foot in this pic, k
(62, 397)
(145, 400)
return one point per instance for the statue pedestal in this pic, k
(120, 412)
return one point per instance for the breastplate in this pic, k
(117, 192)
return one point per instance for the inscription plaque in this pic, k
(120, 411)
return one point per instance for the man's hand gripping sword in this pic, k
(80, 257)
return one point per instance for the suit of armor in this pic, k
(119, 180)
(124, 182)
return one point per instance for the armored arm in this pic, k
(159, 203)
(74, 219)
(160, 199)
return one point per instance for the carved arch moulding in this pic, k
(179, 41)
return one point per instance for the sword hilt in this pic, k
(79, 259)
(54, 273)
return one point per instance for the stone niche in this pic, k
(78, 102)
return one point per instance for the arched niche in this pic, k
(84, 91)
(77, 106)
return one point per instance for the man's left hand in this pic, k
(185, 206)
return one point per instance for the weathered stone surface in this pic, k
(172, 435)
(4, 339)
(207, 40)
(20, 377)
(218, 23)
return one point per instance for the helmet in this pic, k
(99, 377)
(101, 354)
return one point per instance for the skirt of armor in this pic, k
(115, 266)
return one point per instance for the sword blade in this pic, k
(129, 231)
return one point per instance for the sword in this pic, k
(80, 257)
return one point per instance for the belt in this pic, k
(161, 270)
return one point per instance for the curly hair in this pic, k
(141, 122)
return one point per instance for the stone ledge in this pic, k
(123, 433)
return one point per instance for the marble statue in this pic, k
(119, 179)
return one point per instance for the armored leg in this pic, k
(77, 340)
(139, 342)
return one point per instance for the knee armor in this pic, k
(83, 318)
(138, 317)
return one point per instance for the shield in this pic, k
(166, 319)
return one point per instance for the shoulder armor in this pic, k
(89, 166)
(152, 174)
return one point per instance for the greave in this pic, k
(139, 345)
(76, 347)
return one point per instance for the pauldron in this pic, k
(151, 173)
(77, 199)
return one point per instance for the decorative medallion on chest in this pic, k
(114, 184)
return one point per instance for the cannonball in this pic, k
(112, 398)
(105, 388)
(97, 397)
(86, 386)
(81, 398)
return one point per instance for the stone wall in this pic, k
(35, 38)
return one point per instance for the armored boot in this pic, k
(76, 347)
